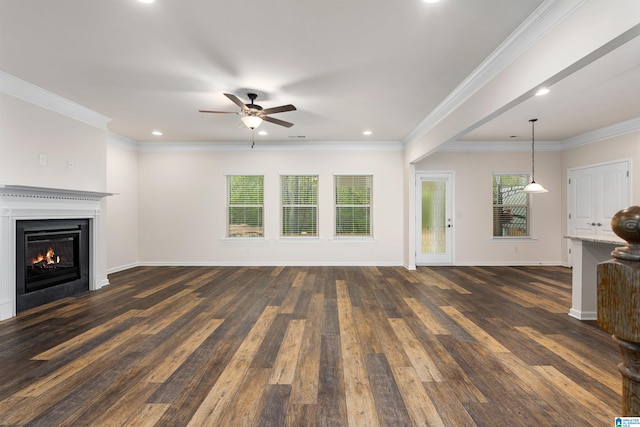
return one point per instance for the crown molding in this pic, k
(500, 146)
(540, 22)
(607, 132)
(18, 88)
(154, 146)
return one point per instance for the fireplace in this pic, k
(36, 219)
(52, 260)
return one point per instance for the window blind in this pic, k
(299, 205)
(510, 206)
(353, 205)
(245, 206)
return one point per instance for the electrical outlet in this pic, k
(70, 165)
(42, 159)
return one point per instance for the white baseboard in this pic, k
(583, 315)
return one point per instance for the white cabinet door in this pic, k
(596, 193)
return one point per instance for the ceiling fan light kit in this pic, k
(533, 187)
(251, 122)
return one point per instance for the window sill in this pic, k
(513, 239)
(243, 239)
(353, 239)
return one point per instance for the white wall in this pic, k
(28, 131)
(181, 217)
(473, 220)
(122, 208)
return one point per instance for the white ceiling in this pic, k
(347, 65)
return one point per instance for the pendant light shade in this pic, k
(533, 187)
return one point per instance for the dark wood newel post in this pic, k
(619, 304)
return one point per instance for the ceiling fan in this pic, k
(253, 114)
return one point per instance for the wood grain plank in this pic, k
(424, 366)
(426, 317)
(599, 411)
(249, 399)
(332, 403)
(225, 388)
(178, 356)
(389, 404)
(478, 333)
(607, 378)
(305, 385)
(286, 363)
(416, 400)
(360, 405)
(148, 416)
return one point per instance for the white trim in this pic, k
(122, 141)
(18, 88)
(607, 132)
(499, 146)
(154, 146)
(583, 315)
(511, 264)
(271, 264)
(123, 267)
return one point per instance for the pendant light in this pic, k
(533, 187)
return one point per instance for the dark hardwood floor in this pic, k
(298, 346)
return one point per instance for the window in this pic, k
(353, 205)
(245, 206)
(299, 205)
(510, 205)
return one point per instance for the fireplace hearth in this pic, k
(52, 260)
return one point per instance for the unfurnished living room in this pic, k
(340, 212)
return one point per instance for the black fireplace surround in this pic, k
(52, 260)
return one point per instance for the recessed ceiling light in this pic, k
(263, 132)
(367, 132)
(431, 1)
(157, 133)
(542, 91)
(146, 1)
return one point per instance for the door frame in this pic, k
(449, 257)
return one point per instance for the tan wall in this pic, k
(473, 206)
(122, 208)
(182, 207)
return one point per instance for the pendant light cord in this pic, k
(533, 149)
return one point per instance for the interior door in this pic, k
(434, 227)
(596, 193)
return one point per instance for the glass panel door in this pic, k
(435, 225)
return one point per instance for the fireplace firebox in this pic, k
(52, 260)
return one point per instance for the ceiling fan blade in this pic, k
(277, 121)
(235, 100)
(280, 109)
(219, 112)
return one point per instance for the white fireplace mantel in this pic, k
(18, 202)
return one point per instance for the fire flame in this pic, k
(50, 257)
